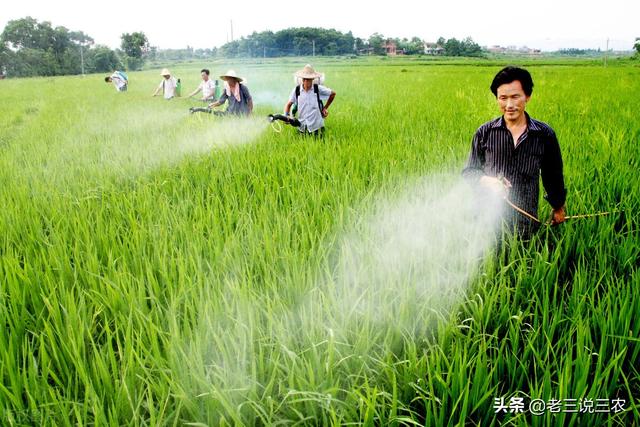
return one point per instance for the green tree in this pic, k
(452, 47)
(22, 33)
(470, 48)
(636, 46)
(135, 47)
(33, 48)
(455, 47)
(6, 58)
(415, 46)
(376, 42)
(101, 59)
(293, 41)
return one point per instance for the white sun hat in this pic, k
(231, 74)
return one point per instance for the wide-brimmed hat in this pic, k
(231, 74)
(165, 72)
(308, 73)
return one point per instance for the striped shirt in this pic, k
(537, 153)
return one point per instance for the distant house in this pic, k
(529, 51)
(365, 51)
(390, 48)
(497, 49)
(513, 50)
(433, 49)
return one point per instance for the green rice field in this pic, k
(165, 269)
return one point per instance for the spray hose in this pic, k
(533, 218)
(507, 185)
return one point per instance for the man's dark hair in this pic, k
(204, 70)
(107, 79)
(511, 74)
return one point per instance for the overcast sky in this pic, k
(543, 24)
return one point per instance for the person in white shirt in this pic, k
(308, 97)
(167, 85)
(207, 86)
(119, 80)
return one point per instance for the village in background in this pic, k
(32, 48)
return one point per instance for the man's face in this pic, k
(307, 83)
(205, 76)
(167, 76)
(232, 82)
(512, 100)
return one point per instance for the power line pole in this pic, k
(606, 53)
(314, 47)
(81, 60)
(232, 30)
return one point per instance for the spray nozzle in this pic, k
(504, 181)
(288, 120)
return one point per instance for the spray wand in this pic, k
(275, 118)
(518, 209)
(206, 110)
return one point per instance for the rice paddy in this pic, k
(161, 268)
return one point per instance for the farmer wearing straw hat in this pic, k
(510, 154)
(240, 101)
(308, 98)
(167, 85)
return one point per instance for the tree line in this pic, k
(32, 48)
(319, 41)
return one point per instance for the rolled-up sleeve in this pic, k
(552, 174)
(324, 92)
(475, 164)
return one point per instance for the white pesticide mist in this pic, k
(178, 136)
(404, 264)
(402, 267)
(414, 252)
(132, 142)
(273, 99)
(212, 362)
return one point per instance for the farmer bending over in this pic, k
(119, 80)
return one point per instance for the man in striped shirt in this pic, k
(510, 153)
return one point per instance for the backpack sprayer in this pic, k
(275, 118)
